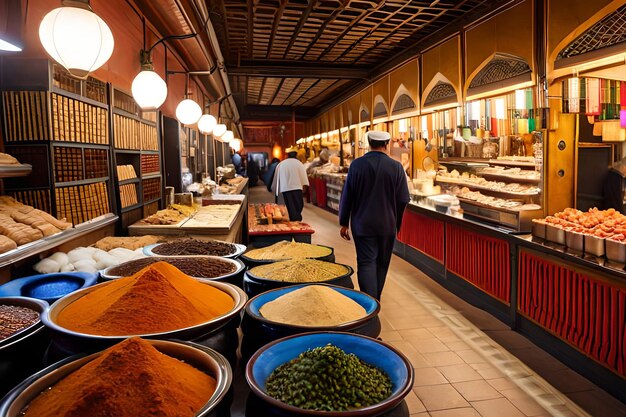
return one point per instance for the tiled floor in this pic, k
(467, 363)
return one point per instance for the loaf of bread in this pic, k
(18, 232)
(6, 244)
(61, 224)
(35, 222)
(131, 242)
(6, 159)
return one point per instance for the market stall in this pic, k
(269, 223)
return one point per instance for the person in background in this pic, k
(372, 204)
(252, 172)
(268, 176)
(238, 163)
(319, 161)
(291, 182)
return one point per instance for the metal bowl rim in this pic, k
(226, 287)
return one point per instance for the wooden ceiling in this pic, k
(302, 54)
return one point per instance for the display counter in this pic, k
(572, 305)
(263, 232)
(226, 226)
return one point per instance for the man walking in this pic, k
(372, 204)
(290, 180)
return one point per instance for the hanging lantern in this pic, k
(236, 144)
(206, 124)
(188, 112)
(75, 37)
(219, 130)
(228, 136)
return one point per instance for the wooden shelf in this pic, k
(133, 207)
(129, 181)
(510, 178)
(482, 188)
(81, 182)
(11, 171)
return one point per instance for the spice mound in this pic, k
(194, 267)
(159, 298)
(300, 270)
(14, 319)
(328, 379)
(313, 305)
(195, 247)
(129, 379)
(288, 250)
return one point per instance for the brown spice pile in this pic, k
(15, 318)
(185, 247)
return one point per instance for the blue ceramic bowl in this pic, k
(48, 287)
(371, 306)
(371, 351)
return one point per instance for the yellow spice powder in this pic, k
(299, 270)
(288, 250)
(313, 306)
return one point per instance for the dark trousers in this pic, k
(373, 255)
(294, 201)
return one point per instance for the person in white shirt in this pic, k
(290, 181)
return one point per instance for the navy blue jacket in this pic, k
(374, 196)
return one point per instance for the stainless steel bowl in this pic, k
(555, 234)
(149, 251)
(72, 341)
(202, 358)
(21, 354)
(575, 241)
(615, 251)
(594, 245)
(239, 268)
(539, 228)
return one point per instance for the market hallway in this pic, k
(467, 363)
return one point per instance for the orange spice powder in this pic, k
(159, 298)
(129, 379)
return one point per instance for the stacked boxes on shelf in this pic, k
(137, 157)
(64, 135)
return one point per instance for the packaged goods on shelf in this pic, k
(126, 172)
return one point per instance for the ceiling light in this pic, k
(188, 112)
(11, 26)
(148, 88)
(206, 124)
(228, 136)
(75, 37)
(219, 130)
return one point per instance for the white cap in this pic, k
(377, 136)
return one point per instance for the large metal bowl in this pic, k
(371, 351)
(71, 341)
(251, 262)
(22, 353)
(234, 277)
(254, 285)
(202, 358)
(149, 251)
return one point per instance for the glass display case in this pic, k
(491, 158)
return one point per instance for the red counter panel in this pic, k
(586, 311)
(422, 233)
(484, 261)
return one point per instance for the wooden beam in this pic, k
(285, 70)
(301, 22)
